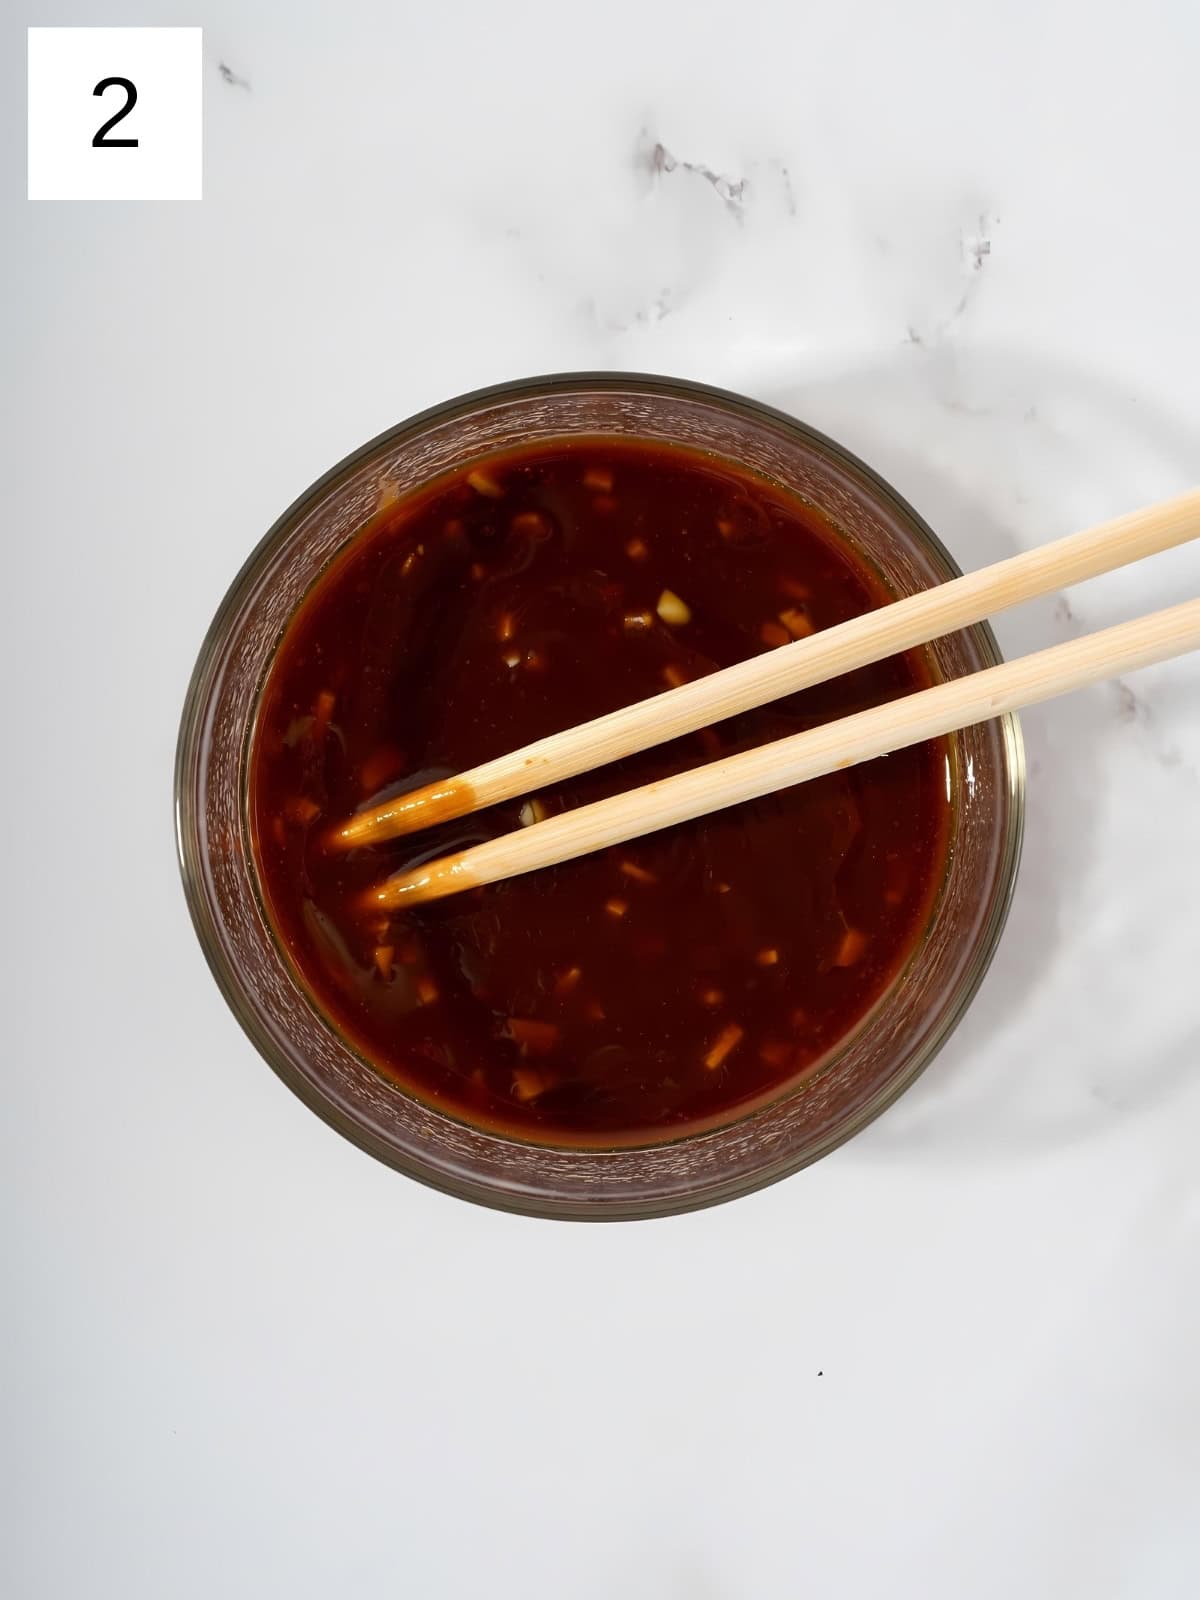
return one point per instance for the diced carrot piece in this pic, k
(534, 1037)
(483, 482)
(616, 908)
(598, 478)
(505, 627)
(725, 527)
(794, 589)
(711, 997)
(722, 888)
(850, 948)
(383, 959)
(427, 991)
(775, 1053)
(798, 623)
(767, 958)
(774, 634)
(636, 550)
(301, 810)
(532, 524)
(726, 1040)
(528, 1083)
(567, 980)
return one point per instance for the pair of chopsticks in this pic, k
(928, 714)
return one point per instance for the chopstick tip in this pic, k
(440, 878)
(404, 813)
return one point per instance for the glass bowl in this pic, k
(864, 1073)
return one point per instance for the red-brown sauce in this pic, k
(645, 991)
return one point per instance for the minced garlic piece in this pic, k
(482, 481)
(674, 611)
(638, 874)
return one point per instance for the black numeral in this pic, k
(98, 138)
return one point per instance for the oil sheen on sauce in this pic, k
(664, 986)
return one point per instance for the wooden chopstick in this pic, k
(892, 628)
(925, 715)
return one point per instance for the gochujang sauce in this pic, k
(649, 990)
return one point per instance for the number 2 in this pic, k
(98, 138)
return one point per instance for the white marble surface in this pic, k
(959, 1357)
